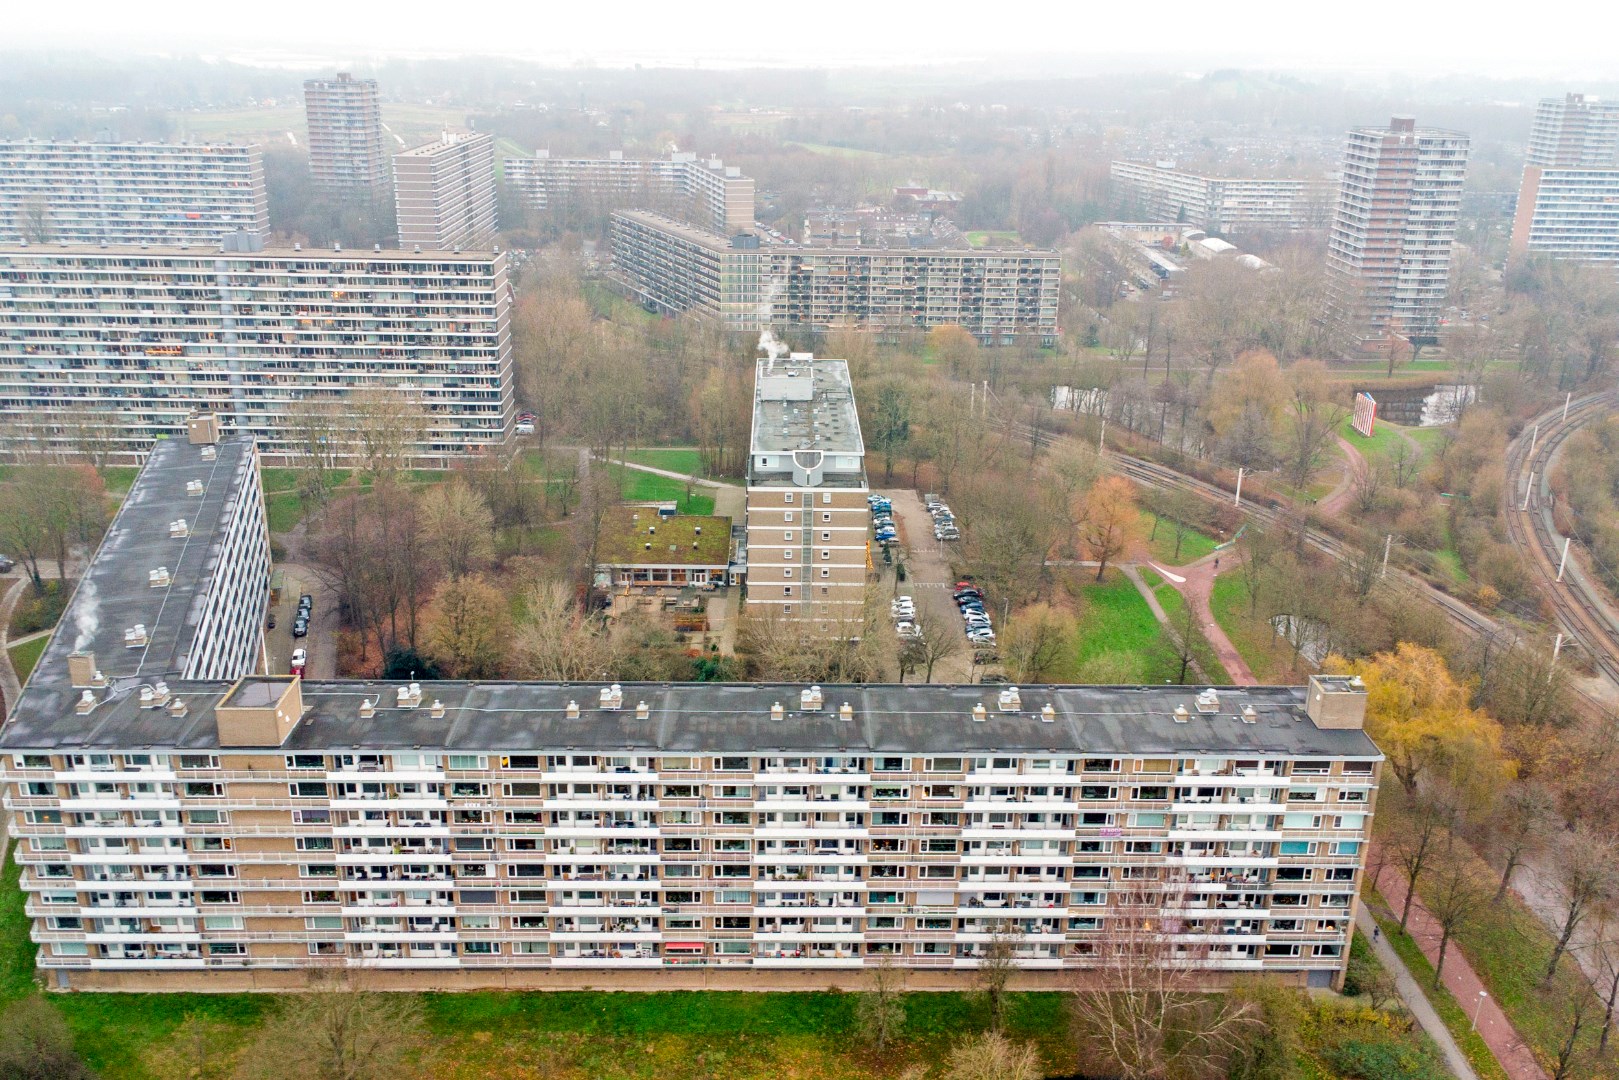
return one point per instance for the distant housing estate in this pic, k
(1158, 191)
(63, 192)
(107, 350)
(749, 283)
(1568, 203)
(344, 117)
(705, 191)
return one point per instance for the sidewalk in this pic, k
(1464, 985)
(1414, 996)
(1196, 590)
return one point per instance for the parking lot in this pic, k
(320, 643)
(928, 579)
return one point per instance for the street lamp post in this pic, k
(1482, 994)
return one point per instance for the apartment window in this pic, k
(787, 497)
(733, 764)
(1344, 847)
(1103, 765)
(313, 870)
(308, 789)
(826, 574)
(299, 817)
(230, 896)
(787, 536)
(787, 572)
(199, 761)
(945, 765)
(323, 922)
(32, 761)
(469, 762)
(826, 497)
(480, 948)
(890, 764)
(1148, 821)
(305, 761)
(826, 518)
(787, 556)
(313, 843)
(1155, 765)
(1297, 847)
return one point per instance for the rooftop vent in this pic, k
(980, 714)
(1009, 700)
(1181, 714)
(612, 698)
(135, 636)
(209, 453)
(368, 708)
(177, 707)
(810, 700)
(573, 710)
(438, 709)
(408, 697)
(81, 669)
(642, 710)
(1208, 701)
(846, 712)
(776, 711)
(178, 529)
(1048, 714)
(297, 247)
(194, 487)
(1250, 715)
(159, 578)
(87, 701)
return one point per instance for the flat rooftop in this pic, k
(494, 717)
(771, 246)
(116, 593)
(801, 403)
(682, 540)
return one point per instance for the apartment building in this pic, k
(106, 351)
(344, 118)
(705, 191)
(807, 516)
(1575, 132)
(1568, 202)
(444, 193)
(749, 284)
(1161, 192)
(129, 192)
(1389, 252)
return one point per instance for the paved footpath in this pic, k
(1196, 589)
(1414, 996)
(1463, 983)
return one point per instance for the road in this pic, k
(928, 579)
(321, 644)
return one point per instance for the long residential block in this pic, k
(129, 192)
(184, 821)
(706, 191)
(749, 285)
(107, 351)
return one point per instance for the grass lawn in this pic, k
(284, 509)
(119, 478)
(1457, 1020)
(837, 151)
(1175, 607)
(1380, 447)
(1161, 547)
(26, 655)
(607, 304)
(1119, 639)
(640, 486)
(1267, 654)
(981, 237)
(685, 461)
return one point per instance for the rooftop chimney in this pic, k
(1009, 700)
(1208, 701)
(612, 697)
(980, 714)
(159, 578)
(846, 712)
(135, 636)
(1182, 714)
(202, 429)
(194, 487)
(573, 710)
(1048, 714)
(178, 529)
(1336, 701)
(368, 708)
(409, 696)
(776, 711)
(87, 702)
(81, 670)
(810, 700)
(437, 711)
(642, 710)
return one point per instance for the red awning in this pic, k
(685, 946)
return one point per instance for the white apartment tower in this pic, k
(1389, 252)
(344, 116)
(444, 193)
(1568, 202)
(65, 192)
(106, 351)
(807, 515)
(705, 191)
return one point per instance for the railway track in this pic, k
(1579, 605)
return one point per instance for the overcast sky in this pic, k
(1420, 36)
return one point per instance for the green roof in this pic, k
(625, 534)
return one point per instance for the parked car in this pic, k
(306, 602)
(909, 631)
(300, 627)
(6, 565)
(931, 500)
(525, 423)
(299, 660)
(269, 621)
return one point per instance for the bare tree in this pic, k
(469, 628)
(940, 640)
(1145, 1007)
(1421, 832)
(1519, 828)
(339, 1030)
(1573, 1059)
(390, 428)
(1035, 642)
(1314, 422)
(457, 526)
(320, 436)
(1583, 874)
(880, 1012)
(1456, 895)
(1111, 521)
(996, 967)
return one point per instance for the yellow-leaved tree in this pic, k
(1419, 716)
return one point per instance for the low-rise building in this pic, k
(642, 548)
